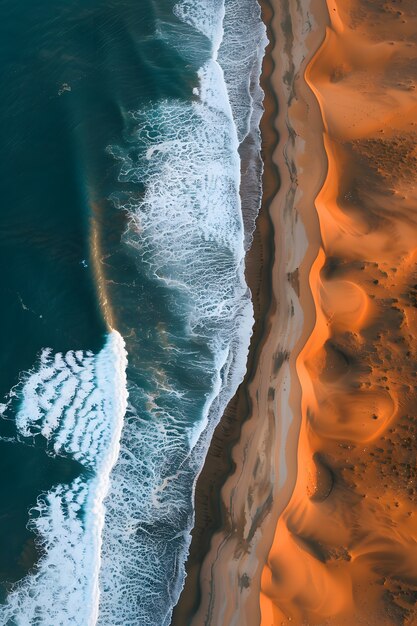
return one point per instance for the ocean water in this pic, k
(130, 185)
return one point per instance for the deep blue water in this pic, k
(121, 235)
(53, 165)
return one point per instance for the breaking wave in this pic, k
(77, 402)
(187, 232)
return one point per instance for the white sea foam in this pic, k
(240, 55)
(187, 229)
(77, 401)
(206, 17)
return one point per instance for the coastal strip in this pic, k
(250, 468)
(218, 465)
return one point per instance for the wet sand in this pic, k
(316, 522)
(210, 511)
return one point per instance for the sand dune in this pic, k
(345, 549)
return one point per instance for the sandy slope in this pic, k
(345, 549)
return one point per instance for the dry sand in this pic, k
(317, 522)
(345, 550)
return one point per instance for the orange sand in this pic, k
(345, 547)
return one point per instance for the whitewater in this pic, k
(114, 541)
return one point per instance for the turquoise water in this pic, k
(125, 318)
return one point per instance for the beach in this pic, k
(316, 518)
(209, 244)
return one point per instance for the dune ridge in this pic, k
(344, 550)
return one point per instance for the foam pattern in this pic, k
(189, 220)
(206, 17)
(240, 56)
(77, 401)
(187, 232)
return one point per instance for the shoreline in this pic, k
(247, 484)
(218, 464)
